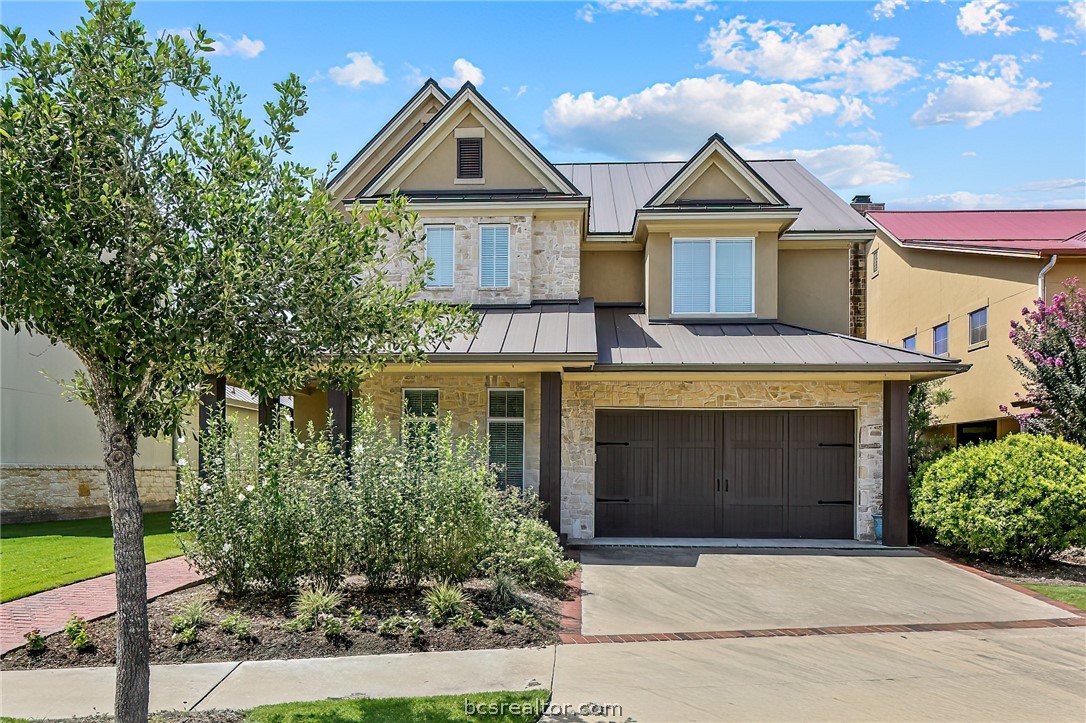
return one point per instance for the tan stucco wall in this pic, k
(813, 288)
(501, 170)
(658, 263)
(713, 185)
(581, 399)
(464, 397)
(915, 290)
(613, 276)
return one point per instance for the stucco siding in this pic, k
(813, 288)
(612, 277)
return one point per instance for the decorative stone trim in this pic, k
(31, 493)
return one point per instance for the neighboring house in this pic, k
(663, 348)
(50, 450)
(950, 282)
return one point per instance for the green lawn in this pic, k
(439, 709)
(1070, 594)
(42, 555)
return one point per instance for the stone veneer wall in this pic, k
(556, 260)
(32, 493)
(464, 396)
(857, 290)
(580, 399)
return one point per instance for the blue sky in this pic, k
(922, 104)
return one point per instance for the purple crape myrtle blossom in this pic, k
(1051, 339)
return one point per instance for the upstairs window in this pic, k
(940, 339)
(469, 157)
(494, 256)
(909, 343)
(978, 326)
(439, 248)
(505, 427)
(712, 276)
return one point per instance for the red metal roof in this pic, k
(1027, 233)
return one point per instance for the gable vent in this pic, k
(469, 157)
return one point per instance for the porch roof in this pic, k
(627, 340)
(543, 331)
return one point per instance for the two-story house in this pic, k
(950, 283)
(664, 346)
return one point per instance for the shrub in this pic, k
(330, 625)
(356, 619)
(193, 615)
(393, 626)
(529, 552)
(443, 601)
(1022, 497)
(521, 616)
(317, 600)
(35, 641)
(78, 635)
(185, 636)
(237, 625)
(505, 592)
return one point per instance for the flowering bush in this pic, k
(1022, 497)
(1052, 339)
(275, 511)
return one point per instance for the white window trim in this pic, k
(522, 420)
(426, 228)
(712, 278)
(469, 133)
(969, 327)
(509, 258)
(403, 399)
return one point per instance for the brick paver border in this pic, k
(570, 630)
(91, 599)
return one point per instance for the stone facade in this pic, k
(581, 399)
(33, 493)
(464, 396)
(857, 290)
(556, 260)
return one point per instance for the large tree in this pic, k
(162, 244)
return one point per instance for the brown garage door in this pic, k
(725, 474)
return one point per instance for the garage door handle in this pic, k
(835, 502)
(612, 499)
(835, 444)
(612, 444)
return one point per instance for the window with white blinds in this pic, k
(494, 256)
(505, 428)
(439, 248)
(712, 276)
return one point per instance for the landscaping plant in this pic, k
(1022, 497)
(35, 641)
(78, 635)
(1052, 342)
(237, 625)
(155, 230)
(443, 601)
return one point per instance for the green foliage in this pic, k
(35, 641)
(924, 402)
(185, 636)
(491, 707)
(443, 601)
(1022, 497)
(77, 633)
(192, 615)
(395, 625)
(237, 625)
(330, 625)
(505, 592)
(356, 618)
(414, 507)
(521, 616)
(316, 601)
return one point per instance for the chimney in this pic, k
(862, 203)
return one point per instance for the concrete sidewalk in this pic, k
(207, 686)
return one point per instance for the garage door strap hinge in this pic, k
(612, 444)
(612, 499)
(835, 502)
(835, 444)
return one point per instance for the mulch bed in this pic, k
(1068, 568)
(271, 641)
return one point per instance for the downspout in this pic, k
(1041, 277)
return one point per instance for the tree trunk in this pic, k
(133, 640)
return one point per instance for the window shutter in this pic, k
(507, 451)
(494, 256)
(469, 157)
(690, 277)
(439, 247)
(734, 277)
(420, 402)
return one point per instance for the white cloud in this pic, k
(244, 46)
(980, 17)
(853, 111)
(887, 8)
(361, 69)
(463, 72)
(672, 120)
(1075, 11)
(1046, 34)
(840, 58)
(851, 166)
(957, 200)
(1054, 185)
(969, 154)
(994, 89)
(589, 12)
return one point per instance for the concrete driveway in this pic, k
(660, 590)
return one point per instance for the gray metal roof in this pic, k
(626, 338)
(618, 190)
(539, 331)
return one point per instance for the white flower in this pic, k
(182, 462)
(249, 488)
(226, 547)
(301, 446)
(288, 417)
(205, 487)
(241, 497)
(181, 439)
